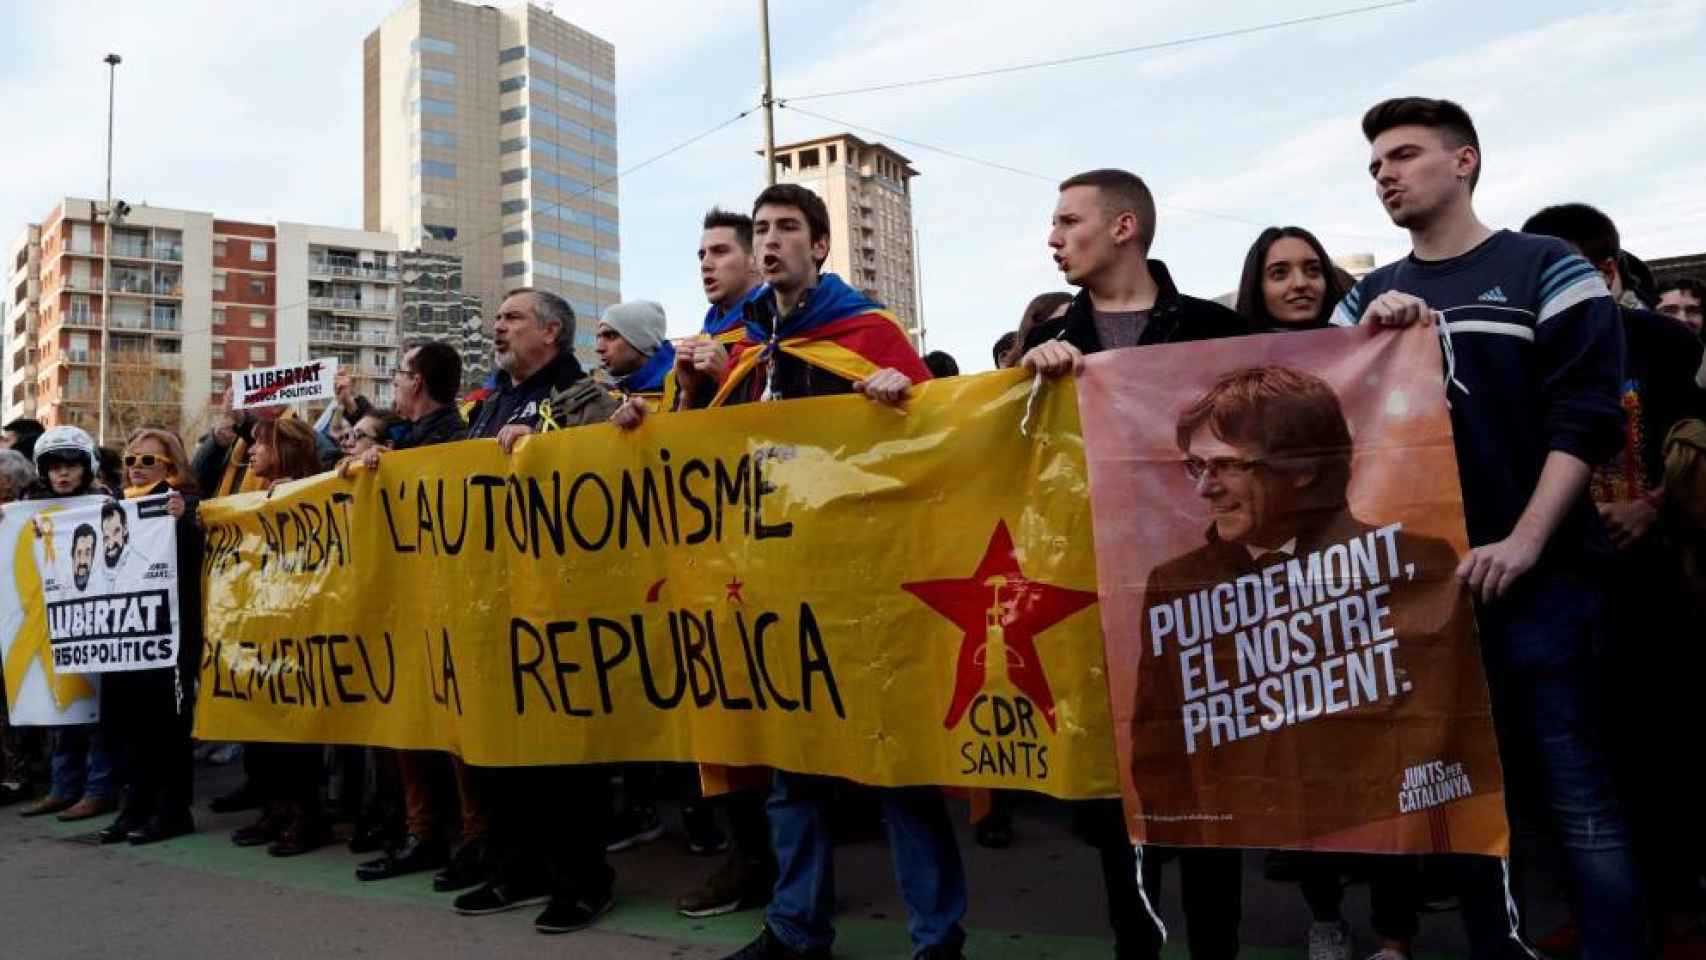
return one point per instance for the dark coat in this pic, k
(519, 403)
(1175, 318)
(443, 425)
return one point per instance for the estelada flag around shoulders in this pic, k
(1292, 660)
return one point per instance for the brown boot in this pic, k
(88, 807)
(46, 805)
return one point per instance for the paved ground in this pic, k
(202, 897)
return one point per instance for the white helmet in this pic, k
(67, 443)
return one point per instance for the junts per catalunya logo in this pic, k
(1000, 689)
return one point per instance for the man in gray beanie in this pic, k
(631, 345)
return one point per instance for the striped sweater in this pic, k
(1538, 359)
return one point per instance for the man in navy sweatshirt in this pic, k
(1534, 357)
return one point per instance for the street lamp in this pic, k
(112, 60)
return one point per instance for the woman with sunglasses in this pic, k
(147, 713)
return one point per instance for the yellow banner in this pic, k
(827, 585)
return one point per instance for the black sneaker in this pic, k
(566, 915)
(497, 897)
(704, 837)
(632, 827)
(768, 947)
(467, 868)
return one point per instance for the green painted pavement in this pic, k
(330, 872)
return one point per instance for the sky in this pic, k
(253, 110)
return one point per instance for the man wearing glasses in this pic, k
(425, 385)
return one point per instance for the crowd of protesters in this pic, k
(1577, 400)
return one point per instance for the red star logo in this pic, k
(997, 594)
(734, 588)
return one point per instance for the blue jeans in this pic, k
(80, 765)
(1539, 644)
(921, 841)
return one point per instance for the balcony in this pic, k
(378, 338)
(342, 268)
(351, 305)
(82, 284)
(77, 319)
(132, 250)
(150, 359)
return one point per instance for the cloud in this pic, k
(253, 110)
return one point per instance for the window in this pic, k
(512, 54)
(439, 138)
(436, 168)
(439, 233)
(514, 269)
(436, 108)
(512, 114)
(513, 237)
(513, 206)
(219, 283)
(219, 249)
(257, 353)
(831, 152)
(512, 84)
(218, 316)
(512, 145)
(257, 252)
(257, 288)
(513, 176)
(433, 45)
(79, 309)
(443, 78)
(257, 320)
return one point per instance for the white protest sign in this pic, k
(110, 585)
(291, 383)
(37, 693)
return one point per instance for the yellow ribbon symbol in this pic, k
(32, 639)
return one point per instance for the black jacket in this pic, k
(1174, 318)
(443, 425)
(512, 402)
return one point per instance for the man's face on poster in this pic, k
(115, 534)
(82, 559)
(1250, 501)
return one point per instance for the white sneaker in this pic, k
(1330, 941)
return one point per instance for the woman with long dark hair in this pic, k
(1289, 282)
(147, 713)
(288, 776)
